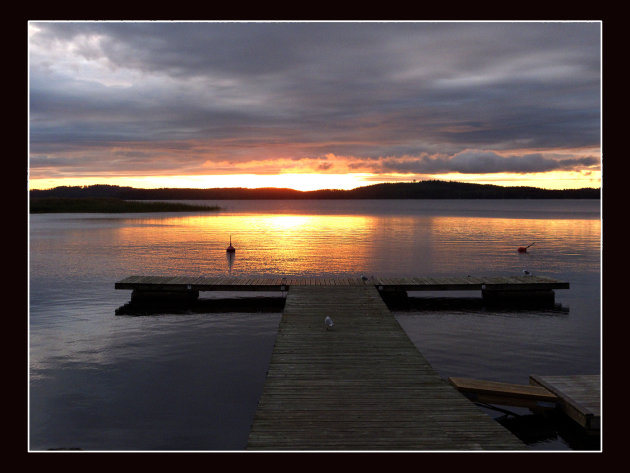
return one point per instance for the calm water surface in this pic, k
(191, 381)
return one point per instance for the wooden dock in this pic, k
(507, 285)
(578, 396)
(362, 385)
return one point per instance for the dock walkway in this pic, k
(362, 385)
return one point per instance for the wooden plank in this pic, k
(183, 280)
(194, 280)
(494, 387)
(149, 280)
(127, 283)
(130, 280)
(423, 282)
(508, 394)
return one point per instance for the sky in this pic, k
(310, 105)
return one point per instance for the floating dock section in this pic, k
(491, 288)
(578, 396)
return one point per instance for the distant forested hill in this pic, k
(406, 190)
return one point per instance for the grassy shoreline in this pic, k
(109, 205)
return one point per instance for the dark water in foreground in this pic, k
(191, 381)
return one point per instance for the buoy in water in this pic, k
(230, 249)
(523, 249)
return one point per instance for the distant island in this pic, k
(404, 190)
(107, 205)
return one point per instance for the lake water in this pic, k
(191, 381)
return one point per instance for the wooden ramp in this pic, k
(508, 394)
(362, 385)
(579, 397)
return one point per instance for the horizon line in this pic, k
(319, 190)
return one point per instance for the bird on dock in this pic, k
(526, 273)
(328, 323)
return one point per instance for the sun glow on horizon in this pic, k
(301, 181)
(313, 181)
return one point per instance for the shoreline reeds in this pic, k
(109, 205)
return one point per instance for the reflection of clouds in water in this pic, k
(181, 381)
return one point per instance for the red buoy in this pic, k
(230, 249)
(523, 249)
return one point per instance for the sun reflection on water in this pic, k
(290, 244)
(265, 244)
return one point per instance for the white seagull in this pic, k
(328, 323)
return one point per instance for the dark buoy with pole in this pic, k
(230, 249)
(523, 249)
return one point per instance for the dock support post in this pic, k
(144, 295)
(394, 297)
(527, 296)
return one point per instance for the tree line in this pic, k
(404, 190)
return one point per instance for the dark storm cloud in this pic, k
(357, 89)
(483, 162)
